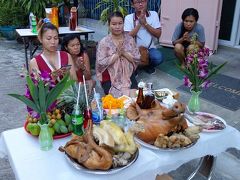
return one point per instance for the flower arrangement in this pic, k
(198, 70)
(41, 94)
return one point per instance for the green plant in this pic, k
(111, 6)
(68, 99)
(37, 7)
(42, 95)
(12, 16)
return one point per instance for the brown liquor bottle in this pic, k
(140, 98)
(149, 97)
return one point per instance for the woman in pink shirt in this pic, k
(117, 58)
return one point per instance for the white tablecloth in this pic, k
(29, 162)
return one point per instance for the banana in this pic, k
(124, 142)
(130, 147)
(103, 137)
(115, 131)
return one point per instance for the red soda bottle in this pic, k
(73, 19)
(87, 114)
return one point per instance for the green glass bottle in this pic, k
(34, 25)
(77, 121)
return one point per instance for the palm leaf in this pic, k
(26, 101)
(33, 89)
(56, 91)
(121, 9)
(42, 96)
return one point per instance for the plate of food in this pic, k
(174, 141)
(104, 149)
(207, 121)
(164, 128)
(122, 157)
(161, 94)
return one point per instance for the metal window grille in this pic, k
(95, 14)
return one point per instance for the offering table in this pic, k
(28, 161)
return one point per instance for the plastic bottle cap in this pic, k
(141, 84)
(73, 9)
(97, 95)
(77, 112)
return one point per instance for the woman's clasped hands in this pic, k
(120, 48)
(80, 63)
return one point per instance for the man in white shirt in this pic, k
(144, 26)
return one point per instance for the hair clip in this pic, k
(46, 20)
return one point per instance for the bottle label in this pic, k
(95, 117)
(77, 121)
(74, 121)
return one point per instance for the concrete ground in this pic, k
(13, 112)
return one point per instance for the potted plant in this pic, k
(111, 6)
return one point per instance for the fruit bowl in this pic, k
(59, 136)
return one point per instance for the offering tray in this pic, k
(151, 146)
(76, 165)
(59, 136)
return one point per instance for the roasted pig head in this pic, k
(158, 120)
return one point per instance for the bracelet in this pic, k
(146, 24)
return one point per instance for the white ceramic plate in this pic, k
(150, 146)
(209, 122)
(110, 171)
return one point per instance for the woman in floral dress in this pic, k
(117, 59)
